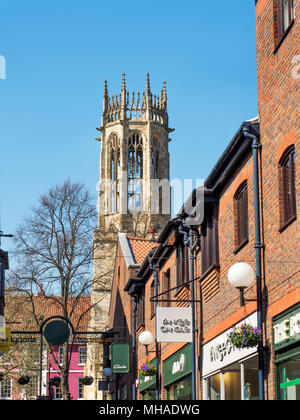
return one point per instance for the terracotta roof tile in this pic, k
(141, 247)
(19, 312)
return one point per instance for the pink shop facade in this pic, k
(76, 372)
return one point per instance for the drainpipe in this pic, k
(155, 276)
(133, 305)
(256, 146)
(188, 236)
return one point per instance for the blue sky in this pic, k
(58, 54)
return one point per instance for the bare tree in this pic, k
(54, 247)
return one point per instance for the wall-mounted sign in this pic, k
(5, 344)
(103, 385)
(174, 325)
(120, 357)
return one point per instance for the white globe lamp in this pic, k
(107, 372)
(241, 275)
(146, 338)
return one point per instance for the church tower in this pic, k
(134, 190)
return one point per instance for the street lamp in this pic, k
(241, 275)
(146, 338)
(107, 372)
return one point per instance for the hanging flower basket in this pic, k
(24, 380)
(148, 369)
(87, 380)
(245, 336)
(55, 381)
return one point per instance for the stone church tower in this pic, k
(133, 193)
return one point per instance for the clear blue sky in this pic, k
(58, 54)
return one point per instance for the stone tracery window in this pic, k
(155, 158)
(135, 172)
(114, 174)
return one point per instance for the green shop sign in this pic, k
(177, 366)
(286, 328)
(147, 382)
(120, 357)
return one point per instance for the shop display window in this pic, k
(238, 381)
(214, 387)
(289, 376)
(180, 390)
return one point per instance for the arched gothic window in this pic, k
(154, 164)
(115, 188)
(135, 172)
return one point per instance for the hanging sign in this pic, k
(174, 325)
(120, 357)
(5, 344)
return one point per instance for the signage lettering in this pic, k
(286, 329)
(179, 365)
(174, 324)
(220, 351)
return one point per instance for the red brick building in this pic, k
(251, 203)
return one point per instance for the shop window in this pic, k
(241, 216)
(238, 381)
(209, 240)
(181, 390)
(289, 378)
(214, 388)
(287, 188)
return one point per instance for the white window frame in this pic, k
(8, 386)
(79, 355)
(80, 386)
(60, 355)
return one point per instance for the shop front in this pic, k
(230, 373)
(286, 347)
(177, 375)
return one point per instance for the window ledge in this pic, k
(241, 245)
(287, 224)
(280, 41)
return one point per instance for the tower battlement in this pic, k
(135, 105)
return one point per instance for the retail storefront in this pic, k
(177, 375)
(286, 346)
(230, 373)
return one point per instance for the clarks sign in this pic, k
(174, 325)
